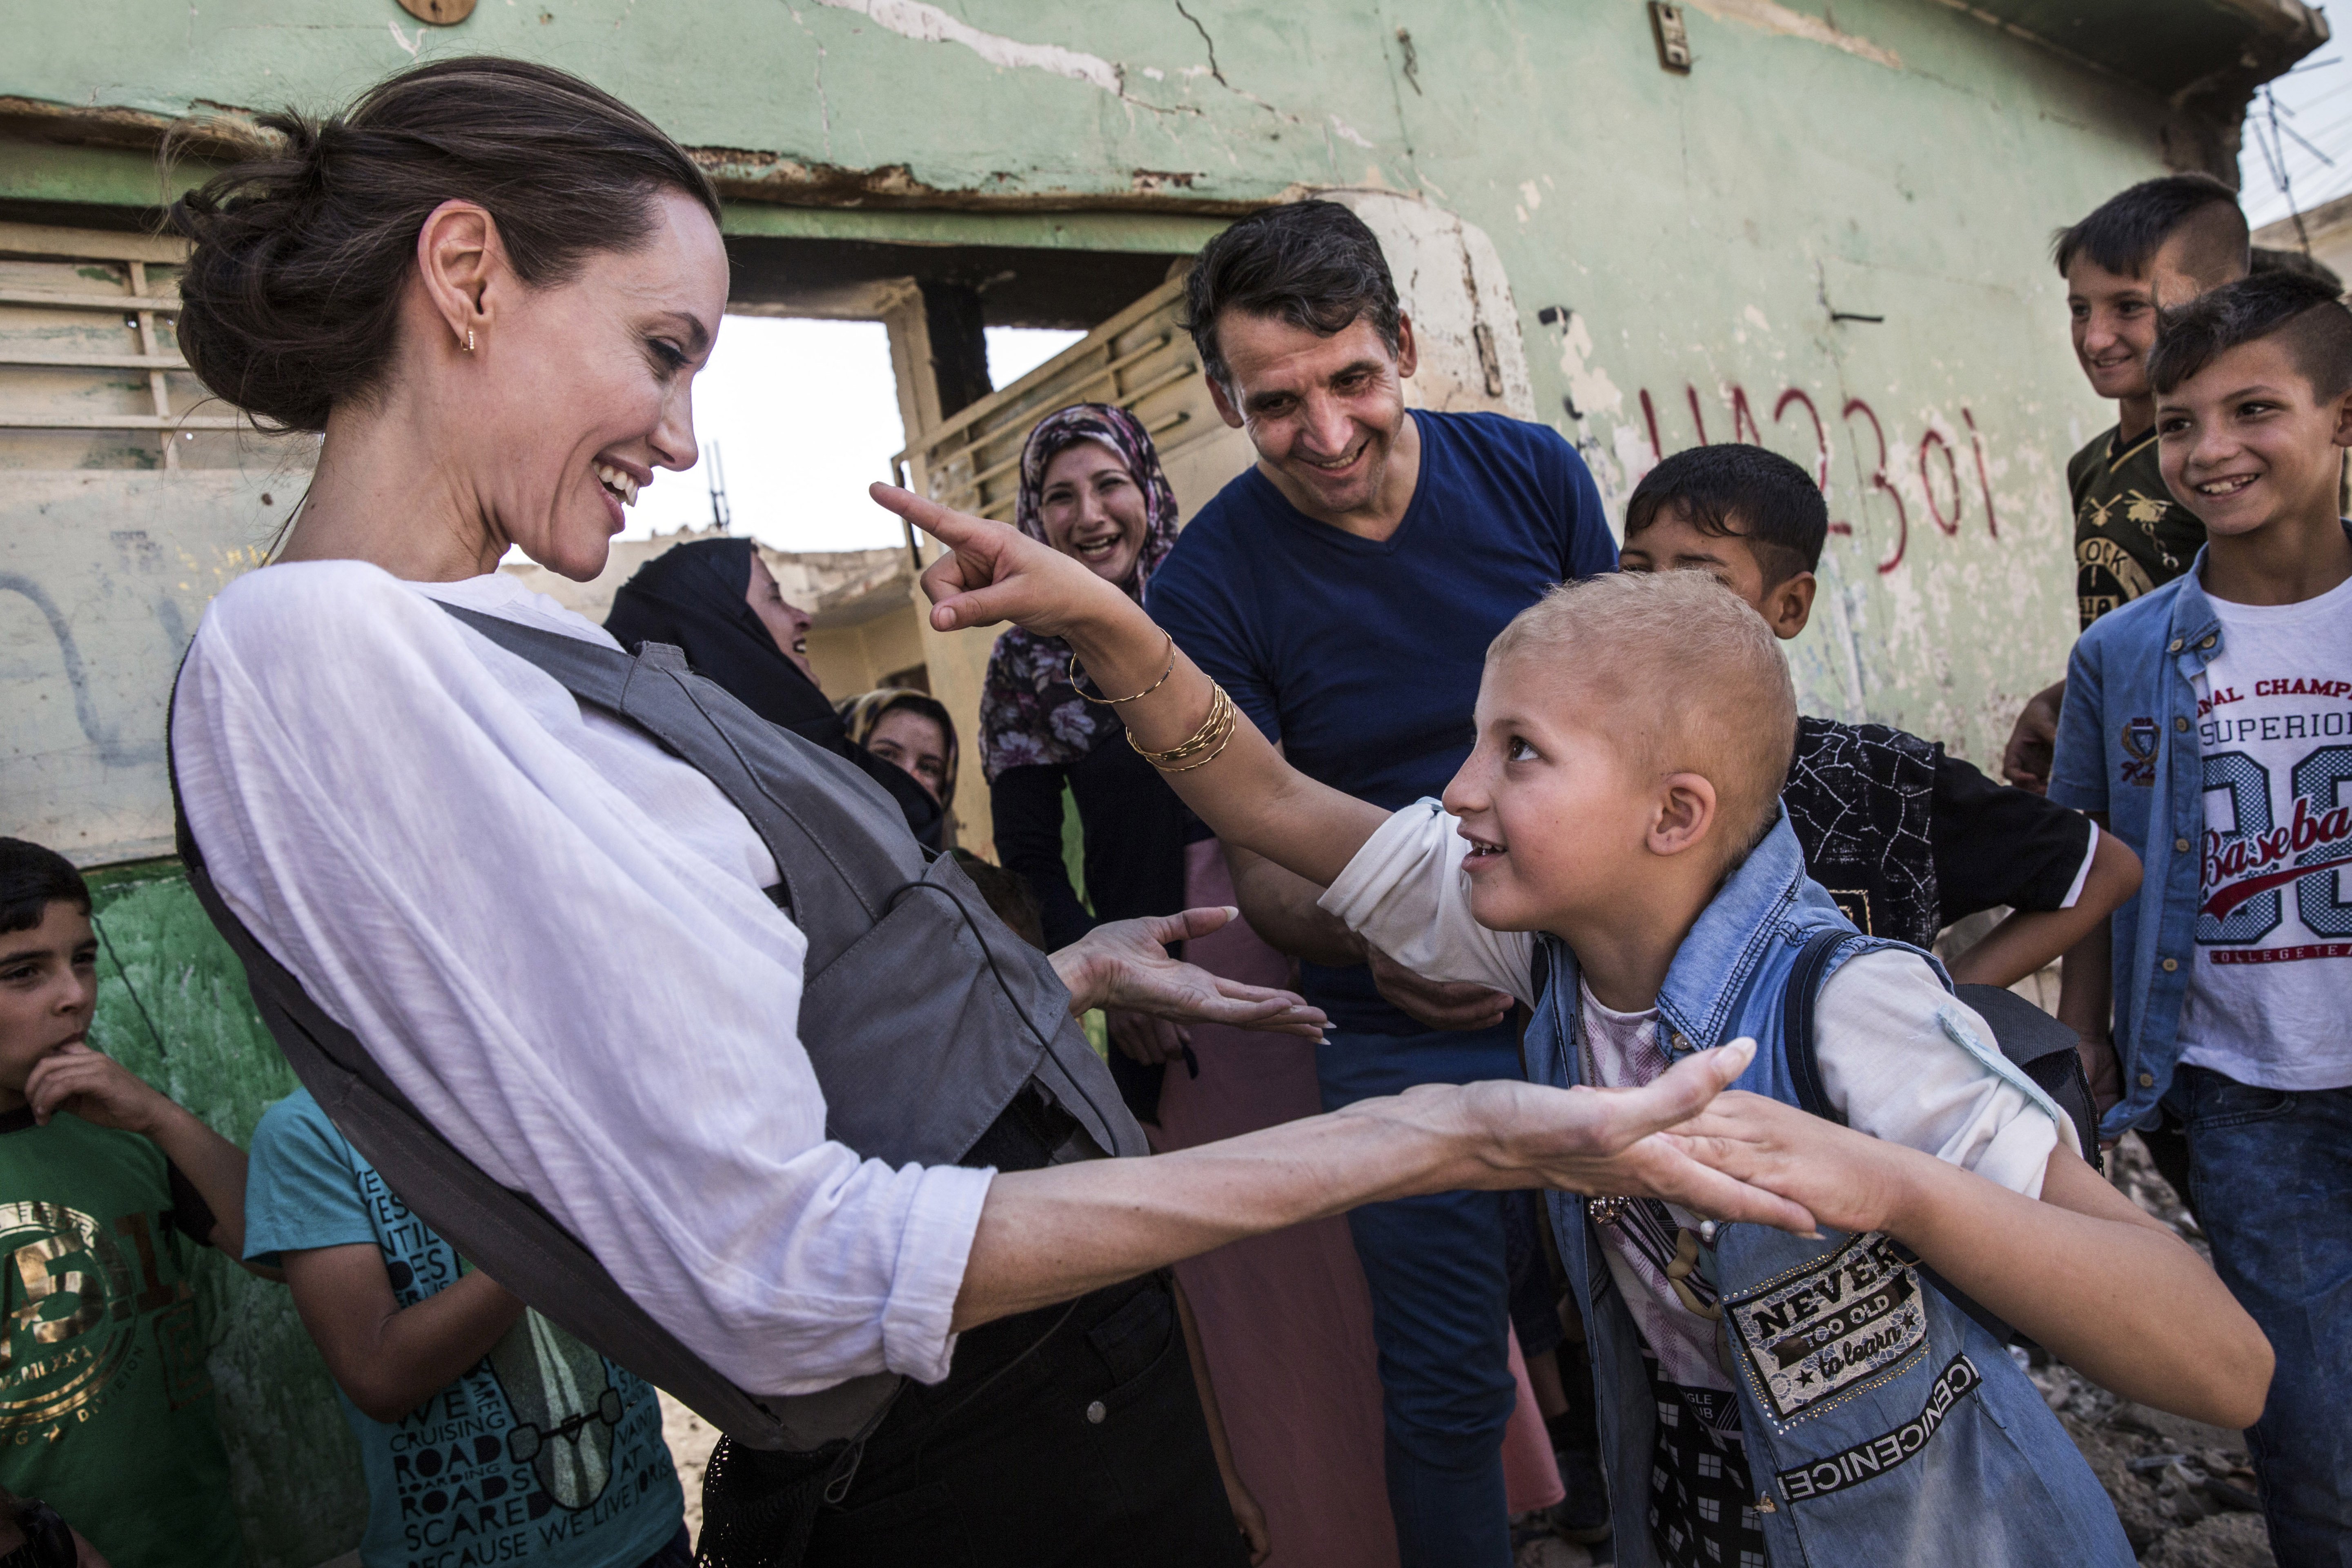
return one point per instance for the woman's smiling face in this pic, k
(586, 385)
(1094, 510)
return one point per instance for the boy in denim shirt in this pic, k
(1613, 854)
(2209, 724)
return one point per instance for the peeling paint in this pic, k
(1348, 133)
(930, 25)
(1588, 383)
(1776, 18)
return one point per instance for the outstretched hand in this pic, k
(993, 572)
(1616, 1142)
(1125, 964)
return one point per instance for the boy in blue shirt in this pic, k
(1613, 854)
(2209, 724)
(488, 1434)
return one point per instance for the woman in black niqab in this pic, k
(696, 597)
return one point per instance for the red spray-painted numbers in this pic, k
(1746, 427)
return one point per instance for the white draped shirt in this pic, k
(551, 936)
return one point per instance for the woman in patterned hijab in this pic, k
(1109, 506)
(1091, 487)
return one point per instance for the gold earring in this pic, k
(469, 340)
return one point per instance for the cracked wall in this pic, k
(1690, 257)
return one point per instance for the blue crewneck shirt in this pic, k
(1363, 658)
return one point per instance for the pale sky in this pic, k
(2315, 102)
(805, 415)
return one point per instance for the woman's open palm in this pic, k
(1125, 964)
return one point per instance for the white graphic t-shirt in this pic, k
(2271, 985)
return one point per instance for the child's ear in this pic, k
(1789, 604)
(2343, 436)
(1686, 810)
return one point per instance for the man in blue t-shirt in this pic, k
(1344, 590)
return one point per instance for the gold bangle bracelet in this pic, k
(1212, 755)
(1215, 732)
(1196, 741)
(1114, 702)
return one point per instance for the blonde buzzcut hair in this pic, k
(1693, 680)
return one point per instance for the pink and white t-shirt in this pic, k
(2270, 984)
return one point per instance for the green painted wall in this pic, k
(172, 1006)
(1903, 160)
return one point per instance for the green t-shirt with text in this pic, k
(106, 1412)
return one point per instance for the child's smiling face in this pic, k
(2247, 440)
(48, 989)
(1553, 807)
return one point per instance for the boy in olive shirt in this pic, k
(106, 1186)
(2163, 242)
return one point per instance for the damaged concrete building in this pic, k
(1822, 227)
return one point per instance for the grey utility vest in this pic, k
(925, 1019)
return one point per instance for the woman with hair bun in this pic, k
(489, 287)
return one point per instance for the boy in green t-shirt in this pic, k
(106, 1413)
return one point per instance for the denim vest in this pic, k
(1882, 1425)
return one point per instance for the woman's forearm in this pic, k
(2103, 1288)
(1248, 795)
(1048, 1235)
(1045, 1236)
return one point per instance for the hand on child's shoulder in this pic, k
(95, 1087)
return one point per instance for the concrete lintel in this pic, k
(1162, 233)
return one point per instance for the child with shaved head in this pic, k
(1613, 854)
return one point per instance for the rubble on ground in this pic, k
(2184, 1490)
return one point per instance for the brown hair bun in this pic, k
(291, 296)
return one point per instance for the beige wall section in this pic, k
(849, 659)
(103, 577)
(2329, 228)
(131, 501)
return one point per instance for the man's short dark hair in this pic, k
(33, 877)
(2301, 311)
(1742, 492)
(2124, 232)
(1311, 264)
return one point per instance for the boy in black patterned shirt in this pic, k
(1906, 839)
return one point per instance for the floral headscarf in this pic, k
(1029, 712)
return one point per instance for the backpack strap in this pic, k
(1797, 1045)
(1797, 1005)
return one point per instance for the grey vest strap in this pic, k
(924, 1018)
(922, 1013)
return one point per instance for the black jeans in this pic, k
(1086, 1449)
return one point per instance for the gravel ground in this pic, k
(690, 1439)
